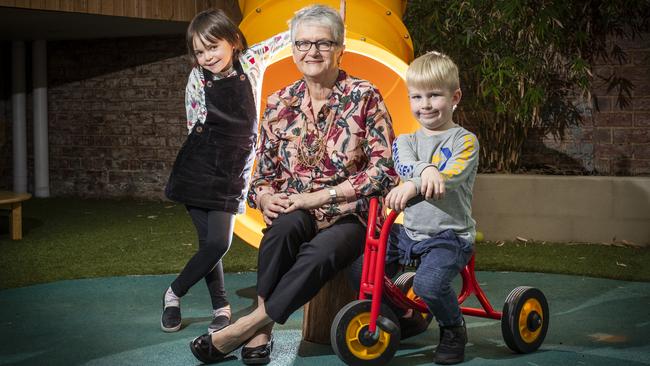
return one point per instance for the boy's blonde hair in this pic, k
(433, 70)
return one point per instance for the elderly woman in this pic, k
(324, 150)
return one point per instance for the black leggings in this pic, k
(214, 229)
(296, 260)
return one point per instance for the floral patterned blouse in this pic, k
(352, 134)
(253, 60)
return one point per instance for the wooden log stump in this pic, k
(321, 310)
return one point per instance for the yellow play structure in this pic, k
(378, 49)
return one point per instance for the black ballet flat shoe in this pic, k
(260, 355)
(205, 351)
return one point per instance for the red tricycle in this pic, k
(365, 332)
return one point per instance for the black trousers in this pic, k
(296, 260)
(214, 229)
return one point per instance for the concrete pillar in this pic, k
(19, 120)
(41, 159)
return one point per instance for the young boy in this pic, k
(438, 161)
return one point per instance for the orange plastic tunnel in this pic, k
(378, 49)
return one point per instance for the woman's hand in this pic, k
(307, 201)
(398, 196)
(433, 183)
(342, 10)
(272, 205)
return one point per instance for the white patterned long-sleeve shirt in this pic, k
(254, 61)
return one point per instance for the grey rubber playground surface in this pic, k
(115, 321)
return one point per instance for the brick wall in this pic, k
(116, 115)
(116, 119)
(5, 145)
(5, 116)
(613, 140)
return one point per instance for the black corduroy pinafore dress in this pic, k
(213, 167)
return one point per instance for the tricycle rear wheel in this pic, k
(405, 283)
(525, 319)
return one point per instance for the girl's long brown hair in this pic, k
(213, 25)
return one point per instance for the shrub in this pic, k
(526, 64)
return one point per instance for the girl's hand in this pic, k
(433, 183)
(398, 196)
(342, 10)
(272, 205)
(306, 201)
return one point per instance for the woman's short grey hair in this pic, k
(321, 15)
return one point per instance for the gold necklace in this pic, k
(311, 154)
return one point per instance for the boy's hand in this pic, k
(398, 196)
(433, 183)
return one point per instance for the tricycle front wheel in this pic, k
(354, 344)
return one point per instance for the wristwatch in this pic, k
(332, 193)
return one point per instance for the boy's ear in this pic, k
(455, 98)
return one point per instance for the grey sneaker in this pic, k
(451, 349)
(170, 321)
(218, 322)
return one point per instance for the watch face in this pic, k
(332, 195)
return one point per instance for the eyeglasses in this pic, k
(305, 46)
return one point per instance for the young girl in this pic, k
(211, 173)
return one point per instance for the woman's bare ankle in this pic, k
(228, 339)
(247, 327)
(262, 336)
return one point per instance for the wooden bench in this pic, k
(321, 310)
(13, 202)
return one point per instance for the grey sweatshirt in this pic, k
(454, 153)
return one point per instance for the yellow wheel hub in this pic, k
(353, 339)
(530, 306)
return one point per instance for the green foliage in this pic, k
(526, 64)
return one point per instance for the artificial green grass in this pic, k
(593, 260)
(69, 238)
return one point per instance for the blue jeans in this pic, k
(439, 259)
